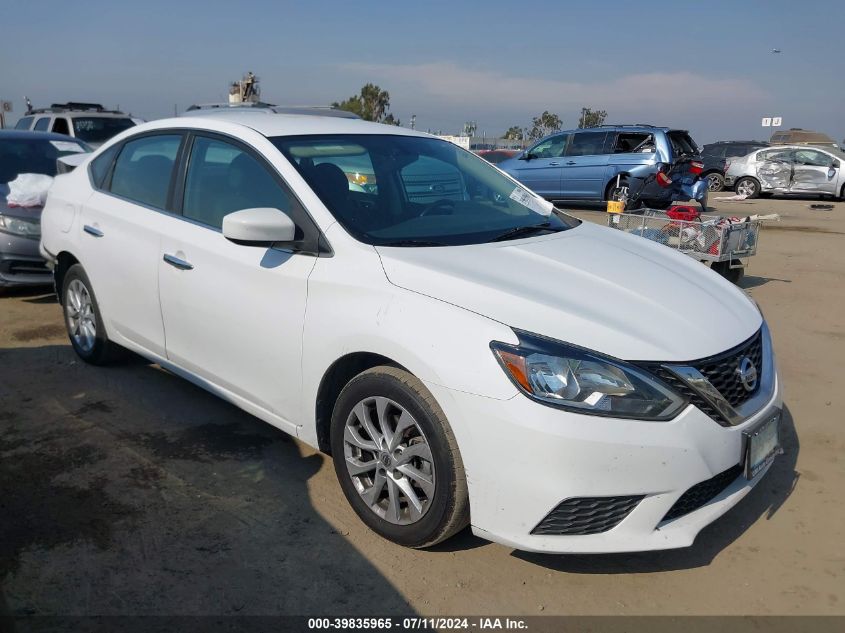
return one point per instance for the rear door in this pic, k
(542, 172)
(774, 169)
(121, 228)
(814, 172)
(585, 166)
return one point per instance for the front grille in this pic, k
(19, 267)
(702, 493)
(721, 372)
(586, 515)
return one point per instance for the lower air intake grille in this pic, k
(586, 515)
(702, 493)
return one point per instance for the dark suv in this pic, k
(716, 154)
(597, 163)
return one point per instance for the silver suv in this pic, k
(88, 122)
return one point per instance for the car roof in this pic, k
(34, 136)
(281, 124)
(738, 143)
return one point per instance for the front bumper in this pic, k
(522, 459)
(21, 263)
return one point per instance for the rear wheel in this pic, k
(748, 187)
(733, 275)
(397, 460)
(715, 181)
(618, 192)
(83, 320)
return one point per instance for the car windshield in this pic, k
(99, 129)
(415, 191)
(34, 156)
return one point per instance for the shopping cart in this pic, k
(722, 242)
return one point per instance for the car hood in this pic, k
(591, 286)
(26, 213)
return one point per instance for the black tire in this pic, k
(660, 205)
(749, 185)
(448, 507)
(617, 193)
(102, 351)
(715, 181)
(733, 275)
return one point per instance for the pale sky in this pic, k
(499, 63)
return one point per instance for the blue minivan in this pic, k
(597, 163)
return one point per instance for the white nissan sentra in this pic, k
(467, 354)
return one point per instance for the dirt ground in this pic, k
(126, 490)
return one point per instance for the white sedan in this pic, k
(467, 354)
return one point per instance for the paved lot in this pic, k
(128, 490)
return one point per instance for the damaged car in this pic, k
(795, 169)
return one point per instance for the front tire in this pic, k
(397, 460)
(83, 320)
(733, 275)
(748, 187)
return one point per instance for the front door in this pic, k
(814, 172)
(234, 313)
(542, 171)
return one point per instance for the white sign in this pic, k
(767, 121)
(776, 121)
(462, 141)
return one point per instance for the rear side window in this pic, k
(682, 144)
(629, 142)
(60, 126)
(24, 123)
(223, 178)
(100, 166)
(586, 144)
(144, 168)
(716, 151)
(737, 150)
(99, 129)
(42, 123)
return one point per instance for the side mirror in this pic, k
(258, 226)
(526, 155)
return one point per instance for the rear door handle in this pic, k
(554, 164)
(91, 230)
(570, 162)
(176, 262)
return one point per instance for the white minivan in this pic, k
(466, 353)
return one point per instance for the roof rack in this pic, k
(624, 125)
(73, 106)
(267, 108)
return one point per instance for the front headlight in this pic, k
(573, 378)
(19, 226)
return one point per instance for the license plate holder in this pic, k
(762, 445)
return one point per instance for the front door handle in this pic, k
(92, 230)
(571, 162)
(176, 262)
(554, 164)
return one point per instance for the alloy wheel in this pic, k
(81, 320)
(746, 188)
(715, 182)
(389, 460)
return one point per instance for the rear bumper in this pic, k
(523, 459)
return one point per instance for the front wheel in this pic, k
(733, 275)
(748, 187)
(83, 320)
(397, 460)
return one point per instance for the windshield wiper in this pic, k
(523, 231)
(411, 242)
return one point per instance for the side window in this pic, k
(428, 180)
(24, 123)
(813, 158)
(586, 144)
(223, 178)
(144, 168)
(782, 155)
(60, 126)
(552, 147)
(99, 168)
(628, 142)
(42, 124)
(737, 150)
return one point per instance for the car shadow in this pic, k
(751, 281)
(30, 294)
(764, 500)
(126, 490)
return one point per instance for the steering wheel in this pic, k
(447, 205)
